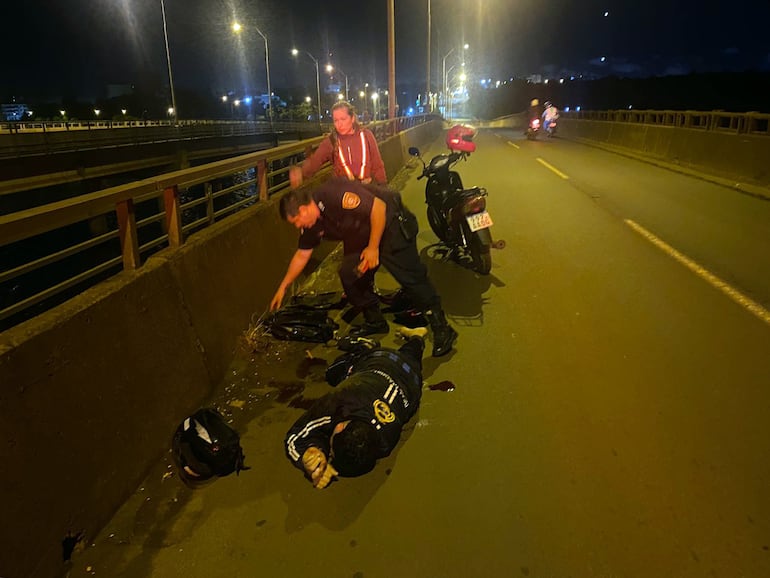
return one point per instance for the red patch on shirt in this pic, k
(350, 200)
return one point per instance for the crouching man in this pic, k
(346, 431)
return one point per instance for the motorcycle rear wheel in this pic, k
(479, 245)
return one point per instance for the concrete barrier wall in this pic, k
(738, 157)
(91, 392)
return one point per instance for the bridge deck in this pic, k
(609, 416)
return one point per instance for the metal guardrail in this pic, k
(19, 139)
(754, 123)
(52, 251)
(25, 127)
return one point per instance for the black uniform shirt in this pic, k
(346, 208)
(384, 391)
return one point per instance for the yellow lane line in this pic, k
(741, 299)
(514, 145)
(552, 168)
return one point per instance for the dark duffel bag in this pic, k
(297, 323)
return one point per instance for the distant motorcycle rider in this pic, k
(535, 110)
(550, 114)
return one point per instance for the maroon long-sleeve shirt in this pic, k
(348, 145)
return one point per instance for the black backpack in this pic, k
(208, 446)
(298, 323)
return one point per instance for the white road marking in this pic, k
(552, 168)
(741, 299)
(514, 145)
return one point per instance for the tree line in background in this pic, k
(732, 92)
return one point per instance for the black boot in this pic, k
(443, 334)
(374, 322)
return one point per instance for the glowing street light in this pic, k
(295, 52)
(124, 111)
(443, 66)
(237, 28)
(330, 69)
(96, 112)
(63, 113)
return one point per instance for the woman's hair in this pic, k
(355, 449)
(351, 110)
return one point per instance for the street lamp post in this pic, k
(168, 61)
(444, 70)
(330, 68)
(427, 63)
(294, 51)
(237, 28)
(448, 102)
(375, 104)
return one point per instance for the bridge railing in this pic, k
(54, 251)
(754, 123)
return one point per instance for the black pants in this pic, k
(412, 350)
(400, 257)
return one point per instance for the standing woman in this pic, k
(351, 148)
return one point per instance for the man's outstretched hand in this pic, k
(295, 176)
(320, 471)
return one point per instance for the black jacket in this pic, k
(383, 389)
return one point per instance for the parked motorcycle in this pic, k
(533, 128)
(458, 216)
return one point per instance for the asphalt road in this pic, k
(610, 415)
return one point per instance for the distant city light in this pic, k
(561, 81)
(247, 100)
(629, 107)
(577, 108)
(566, 109)
(603, 58)
(606, 14)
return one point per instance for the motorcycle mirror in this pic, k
(414, 151)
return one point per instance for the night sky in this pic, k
(77, 47)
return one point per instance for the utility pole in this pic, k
(427, 64)
(391, 60)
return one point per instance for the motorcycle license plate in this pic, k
(478, 221)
